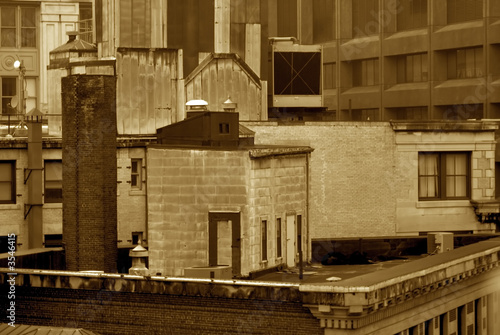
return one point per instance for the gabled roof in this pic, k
(5, 329)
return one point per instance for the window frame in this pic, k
(442, 175)
(279, 238)
(410, 21)
(462, 11)
(361, 76)
(12, 182)
(329, 76)
(405, 62)
(8, 98)
(51, 199)
(363, 19)
(137, 174)
(452, 58)
(20, 28)
(264, 237)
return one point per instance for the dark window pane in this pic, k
(8, 37)
(8, 16)
(9, 87)
(28, 38)
(28, 17)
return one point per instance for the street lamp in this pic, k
(18, 64)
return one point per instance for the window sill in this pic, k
(443, 203)
(137, 192)
(53, 205)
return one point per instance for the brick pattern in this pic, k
(138, 313)
(352, 191)
(184, 185)
(89, 172)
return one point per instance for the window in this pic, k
(463, 112)
(53, 181)
(137, 238)
(365, 19)
(444, 175)
(223, 128)
(85, 23)
(411, 14)
(18, 27)
(464, 10)
(7, 242)
(7, 182)
(136, 174)
(465, 63)
(53, 240)
(323, 21)
(9, 90)
(365, 72)
(412, 68)
(370, 114)
(329, 76)
(278, 238)
(410, 113)
(264, 239)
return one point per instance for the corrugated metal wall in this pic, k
(148, 94)
(222, 76)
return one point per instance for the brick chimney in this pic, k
(89, 172)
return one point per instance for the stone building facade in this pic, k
(365, 176)
(243, 208)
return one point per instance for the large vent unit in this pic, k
(296, 74)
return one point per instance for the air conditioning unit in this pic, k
(439, 242)
(209, 272)
(296, 73)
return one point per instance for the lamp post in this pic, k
(19, 64)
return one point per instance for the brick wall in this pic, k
(351, 174)
(126, 313)
(89, 172)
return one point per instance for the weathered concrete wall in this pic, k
(351, 173)
(184, 185)
(364, 177)
(131, 202)
(277, 190)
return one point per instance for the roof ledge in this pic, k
(445, 126)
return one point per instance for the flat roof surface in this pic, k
(321, 274)
(363, 275)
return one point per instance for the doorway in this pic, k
(290, 241)
(224, 241)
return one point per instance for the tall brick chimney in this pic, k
(89, 172)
